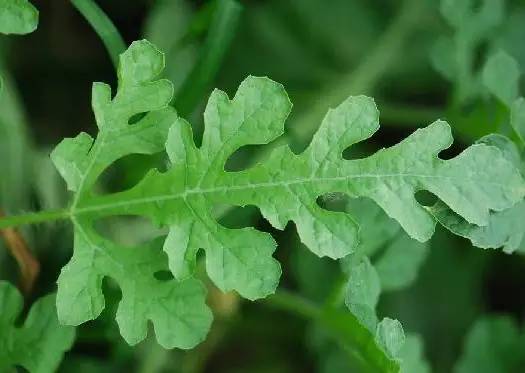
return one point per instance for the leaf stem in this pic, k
(356, 340)
(33, 218)
(288, 301)
(103, 26)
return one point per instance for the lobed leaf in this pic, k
(504, 228)
(454, 57)
(285, 187)
(177, 309)
(40, 343)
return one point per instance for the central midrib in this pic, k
(188, 192)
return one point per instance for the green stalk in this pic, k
(365, 77)
(33, 218)
(103, 26)
(355, 339)
(290, 302)
(220, 34)
(362, 80)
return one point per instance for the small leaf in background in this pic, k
(493, 345)
(517, 118)
(399, 264)
(412, 355)
(390, 336)
(17, 17)
(455, 56)
(501, 77)
(40, 343)
(376, 227)
(362, 293)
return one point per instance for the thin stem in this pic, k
(220, 34)
(33, 218)
(28, 264)
(103, 26)
(357, 341)
(364, 78)
(290, 302)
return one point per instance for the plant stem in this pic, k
(33, 218)
(103, 26)
(288, 301)
(220, 34)
(364, 78)
(357, 341)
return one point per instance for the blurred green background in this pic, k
(322, 52)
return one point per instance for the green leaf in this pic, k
(177, 309)
(412, 356)
(507, 147)
(455, 57)
(390, 336)
(17, 17)
(285, 187)
(40, 343)
(363, 292)
(398, 265)
(501, 75)
(376, 228)
(504, 228)
(493, 345)
(352, 335)
(517, 118)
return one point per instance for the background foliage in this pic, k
(461, 306)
